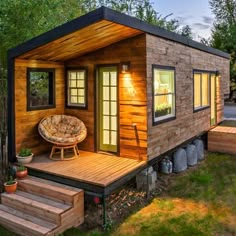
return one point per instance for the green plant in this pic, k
(163, 106)
(24, 152)
(10, 181)
(21, 168)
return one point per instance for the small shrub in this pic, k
(24, 152)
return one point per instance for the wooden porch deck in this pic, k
(93, 172)
(222, 139)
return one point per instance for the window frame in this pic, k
(197, 71)
(74, 106)
(171, 117)
(52, 90)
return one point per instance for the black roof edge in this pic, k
(113, 16)
(133, 22)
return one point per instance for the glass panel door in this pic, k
(107, 109)
(213, 99)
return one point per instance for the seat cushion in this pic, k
(62, 129)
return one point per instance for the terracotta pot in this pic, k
(21, 174)
(10, 188)
(24, 160)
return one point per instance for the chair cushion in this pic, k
(62, 129)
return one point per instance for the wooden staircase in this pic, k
(41, 207)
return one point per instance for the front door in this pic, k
(107, 109)
(213, 99)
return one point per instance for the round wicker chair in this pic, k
(64, 132)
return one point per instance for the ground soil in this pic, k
(125, 201)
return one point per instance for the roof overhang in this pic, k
(93, 31)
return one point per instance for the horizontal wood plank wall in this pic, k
(132, 95)
(26, 121)
(187, 124)
(222, 139)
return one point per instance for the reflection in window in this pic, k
(76, 88)
(40, 83)
(201, 90)
(164, 93)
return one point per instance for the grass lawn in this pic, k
(200, 201)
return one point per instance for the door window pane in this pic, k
(106, 108)
(113, 138)
(106, 137)
(106, 122)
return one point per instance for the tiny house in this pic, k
(139, 89)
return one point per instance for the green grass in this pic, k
(4, 232)
(199, 202)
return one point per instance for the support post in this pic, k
(104, 211)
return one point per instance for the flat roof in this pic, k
(109, 15)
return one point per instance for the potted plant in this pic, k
(162, 110)
(24, 156)
(21, 172)
(11, 185)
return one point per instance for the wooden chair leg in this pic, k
(62, 153)
(52, 152)
(77, 150)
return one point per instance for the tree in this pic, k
(224, 31)
(186, 31)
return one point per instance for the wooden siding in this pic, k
(222, 139)
(26, 122)
(88, 39)
(187, 124)
(92, 168)
(132, 95)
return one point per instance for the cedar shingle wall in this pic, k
(26, 121)
(166, 136)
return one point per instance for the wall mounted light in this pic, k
(217, 73)
(125, 67)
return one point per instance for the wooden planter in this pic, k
(21, 174)
(10, 188)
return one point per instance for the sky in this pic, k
(195, 13)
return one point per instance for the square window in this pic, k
(77, 87)
(164, 93)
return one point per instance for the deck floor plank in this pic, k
(95, 168)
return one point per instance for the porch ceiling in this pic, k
(85, 40)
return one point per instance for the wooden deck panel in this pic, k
(222, 139)
(92, 168)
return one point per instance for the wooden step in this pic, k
(27, 217)
(22, 226)
(34, 205)
(48, 189)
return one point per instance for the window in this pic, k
(40, 89)
(164, 93)
(76, 87)
(201, 90)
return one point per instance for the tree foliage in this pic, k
(224, 30)
(21, 20)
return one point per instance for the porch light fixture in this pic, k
(125, 67)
